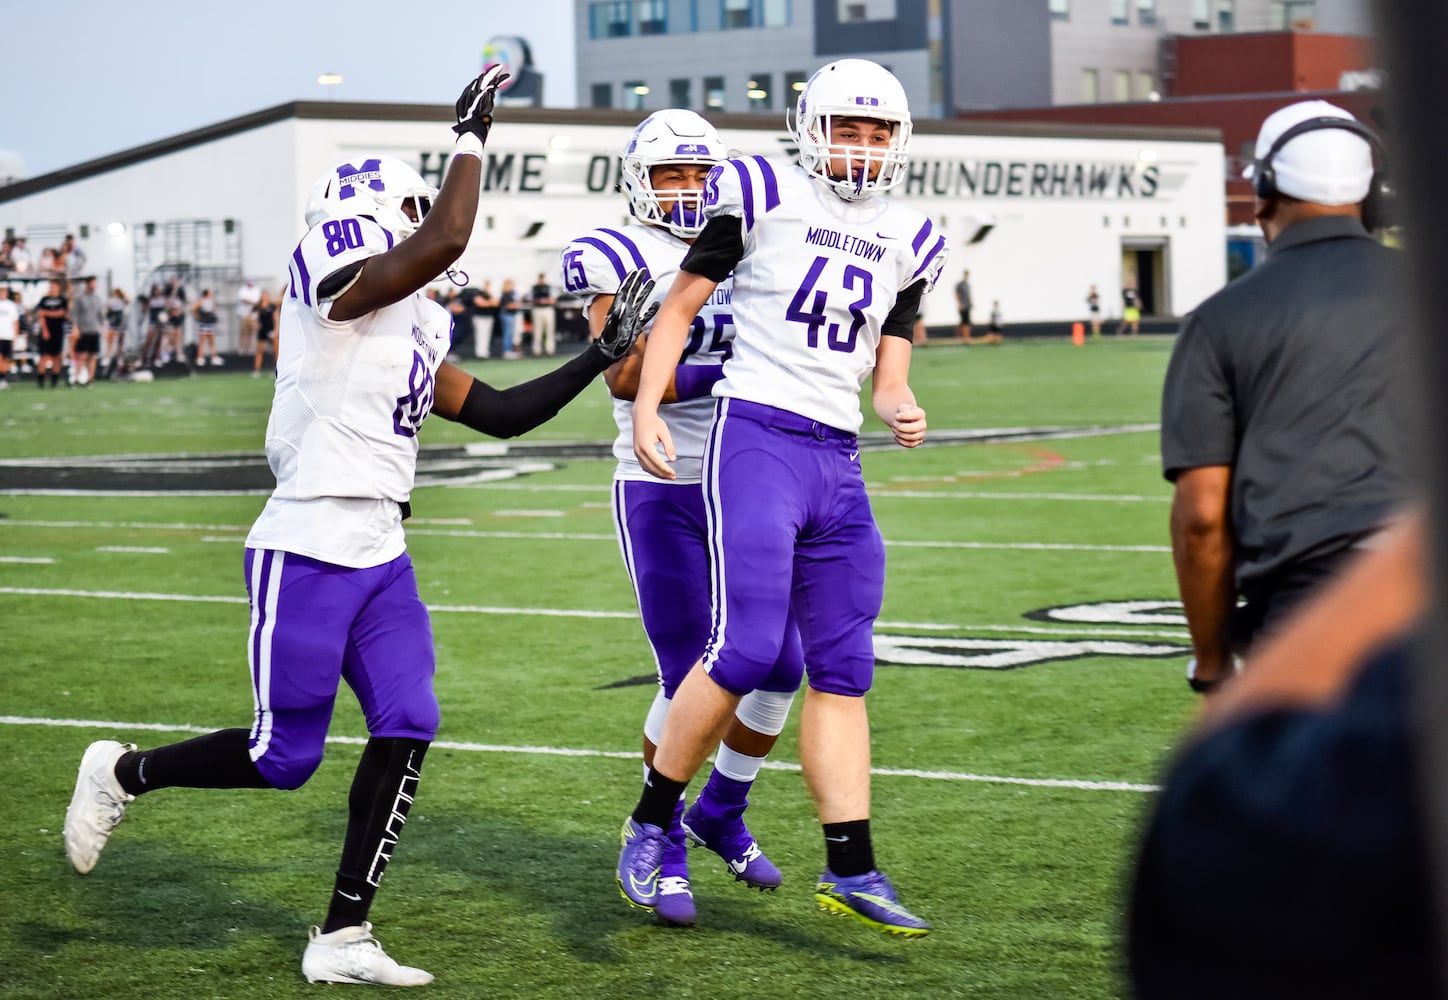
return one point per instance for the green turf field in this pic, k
(1015, 747)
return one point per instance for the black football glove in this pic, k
(626, 318)
(475, 106)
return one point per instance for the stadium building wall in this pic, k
(1036, 212)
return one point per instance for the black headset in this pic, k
(1375, 206)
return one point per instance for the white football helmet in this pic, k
(852, 88)
(377, 186)
(670, 136)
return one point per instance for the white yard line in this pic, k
(890, 772)
(1086, 629)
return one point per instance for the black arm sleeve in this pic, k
(507, 413)
(901, 321)
(718, 248)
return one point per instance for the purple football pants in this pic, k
(314, 623)
(663, 534)
(791, 532)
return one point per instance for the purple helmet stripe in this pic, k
(771, 184)
(939, 245)
(628, 245)
(306, 279)
(922, 236)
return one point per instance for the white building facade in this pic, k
(1036, 213)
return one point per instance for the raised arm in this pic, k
(445, 229)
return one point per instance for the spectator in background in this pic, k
(485, 319)
(247, 298)
(1093, 306)
(205, 312)
(963, 304)
(51, 312)
(995, 333)
(1130, 310)
(70, 258)
(86, 313)
(9, 330)
(49, 261)
(7, 256)
(20, 255)
(508, 318)
(266, 324)
(544, 319)
(1284, 412)
(115, 332)
(175, 323)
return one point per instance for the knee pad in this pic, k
(765, 711)
(654, 721)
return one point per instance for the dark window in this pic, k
(1061, 10)
(713, 93)
(635, 93)
(736, 14)
(1120, 11)
(759, 92)
(653, 16)
(602, 95)
(1146, 12)
(680, 94)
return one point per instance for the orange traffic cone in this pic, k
(1078, 333)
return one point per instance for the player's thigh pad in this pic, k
(663, 537)
(755, 508)
(301, 613)
(390, 661)
(839, 585)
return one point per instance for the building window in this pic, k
(1061, 10)
(634, 92)
(1293, 15)
(1146, 12)
(776, 13)
(759, 88)
(1226, 15)
(794, 82)
(601, 95)
(1145, 85)
(680, 94)
(1202, 15)
(1121, 85)
(714, 93)
(1090, 86)
(736, 14)
(858, 11)
(1120, 11)
(609, 20)
(652, 16)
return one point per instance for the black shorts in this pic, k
(264, 335)
(50, 344)
(965, 317)
(7, 349)
(88, 343)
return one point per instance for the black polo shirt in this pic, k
(1294, 375)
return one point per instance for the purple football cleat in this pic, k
(640, 863)
(675, 902)
(869, 897)
(732, 841)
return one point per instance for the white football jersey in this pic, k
(818, 278)
(595, 264)
(350, 398)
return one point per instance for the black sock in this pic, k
(216, 760)
(656, 805)
(847, 848)
(377, 807)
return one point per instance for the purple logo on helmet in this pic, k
(869, 102)
(692, 149)
(349, 176)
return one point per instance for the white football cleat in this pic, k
(353, 955)
(98, 805)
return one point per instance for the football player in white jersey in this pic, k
(827, 280)
(333, 593)
(661, 525)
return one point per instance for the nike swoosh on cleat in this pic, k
(648, 887)
(738, 866)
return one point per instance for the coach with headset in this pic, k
(1283, 413)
